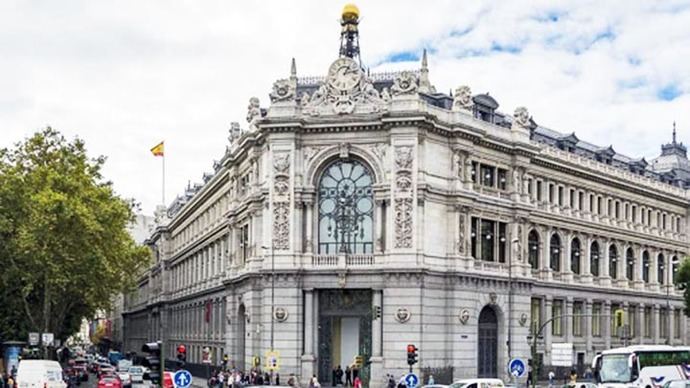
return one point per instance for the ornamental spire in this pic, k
(349, 34)
(674, 132)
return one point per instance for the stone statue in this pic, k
(385, 95)
(462, 99)
(253, 112)
(234, 131)
(283, 90)
(516, 180)
(521, 117)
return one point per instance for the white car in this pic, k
(478, 383)
(136, 374)
(125, 378)
(39, 374)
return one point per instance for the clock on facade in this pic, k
(344, 74)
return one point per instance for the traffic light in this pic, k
(377, 312)
(411, 354)
(153, 360)
(181, 356)
(225, 359)
(619, 318)
(256, 361)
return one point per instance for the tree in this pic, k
(682, 278)
(64, 245)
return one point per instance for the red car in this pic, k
(109, 382)
(167, 380)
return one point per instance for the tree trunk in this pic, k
(46, 312)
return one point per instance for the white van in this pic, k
(39, 374)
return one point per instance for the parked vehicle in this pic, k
(136, 374)
(644, 366)
(478, 383)
(124, 365)
(109, 382)
(39, 374)
(167, 380)
(125, 378)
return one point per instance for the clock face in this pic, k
(344, 74)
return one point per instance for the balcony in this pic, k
(341, 261)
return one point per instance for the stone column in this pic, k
(607, 324)
(669, 323)
(376, 367)
(308, 358)
(588, 328)
(548, 311)
(568, 326)
(604, 263)
(683, 329)
(655, 325)
(309, 230)
(585, 264)
(566, 259)
(379, 222)
(640, 323)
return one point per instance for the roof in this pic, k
(646, 348)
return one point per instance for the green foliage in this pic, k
(64, 245)
(682, 278)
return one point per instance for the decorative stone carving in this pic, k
(281, 201)
(281, 225)
(462, 100)
(385, 95)
(304, 101)
(461, 234)
(493, 298)
(403, 315)
(253, 112)
(403, 197)
(280, 314)
(521, 118)
(405, 83)
(379, 150)
(464, 316)
(283, 90)
(346, 90)
(523, 319)
(403, 157)
(516, 180)
(403, 181)
(344, 150)
(234, 131)
(403, 222)
(342, 279)
(525, 183)
(281, 163)
(309, 153)
(468, 169)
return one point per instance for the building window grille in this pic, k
(473, 237)
(244, 243)
(578, 309)
(487, 235)
(487, 175)
(346, 208)
(596, 319)
(594, 259)
(613, 262)
(629, 264)
(533, 246)
(555, 262)
(556, 312)
(501, 242)
(645, 267)
(575, 256)
(674, 267)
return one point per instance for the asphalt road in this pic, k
(93, 383)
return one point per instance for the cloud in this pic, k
(125, 75)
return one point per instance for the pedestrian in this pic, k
(338, 376)
(358, 382)
(277, 378)
(391, 381)
(529, 376)
(551, 377)
(220, 380)
(10, 382)
(431, 380)
(573, 378)
(314, 382)
(348, 376)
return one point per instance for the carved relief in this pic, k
(281, 201)
(521, 118)
(309, 153)
(234, 132)
(283, 90)
(403, 158)
(403, 197)
(462, 99)
(281, 163)
(461, 234)
(403, 181)
(405, 83)
(281, 225)
(253, 113)
(403, 222)
(379, 150)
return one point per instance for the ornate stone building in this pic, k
(360, 212)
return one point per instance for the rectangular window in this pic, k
(618, 210)
(539, 193)
(627, 212)
(649, 216)
(663, 221)
(676, 323)
(648, 322)
(474, 236)
(552, 192)
(600, 205)
(502, 242)
(596, 319)
(535, 315)
(609, 208)
(572, 199)
(502, 179)
(634, 213)
(663, 323)
(591, 203)
(580, 201)
(487, 173)
(560, 196)
(487, 238)
(530, 190)
(578, 310)
(632, 321)
(556, 311)
(614, 329)
(475, 170)
(678, 225)
(244, 243)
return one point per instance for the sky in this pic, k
(124, 75)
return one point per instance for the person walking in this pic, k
(431, 381)
(348, 376)
(358, 382)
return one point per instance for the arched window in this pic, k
(645, 267)
(661, 270)
(575, 256)
(555, 253)
(613, 261)
(533, 246)
(629, 264)
(346, 206)
(594, 259)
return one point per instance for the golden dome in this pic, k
(350, 11)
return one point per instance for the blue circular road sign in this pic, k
(182, 379)
(517, 367)
(411, 380)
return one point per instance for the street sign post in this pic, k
(34, 339)
(182, 379)
(411, 380)
(517, 367)
(47, 339)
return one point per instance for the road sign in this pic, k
(411, 380)
(182, 379)
(517, 367)
(562, 354)
(34, 339)
(47, 339)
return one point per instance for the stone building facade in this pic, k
(358, 213)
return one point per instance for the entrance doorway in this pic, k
(344, 332)
(487, 343)
(241, 337)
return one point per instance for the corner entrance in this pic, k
(344, 332)
(487, 343)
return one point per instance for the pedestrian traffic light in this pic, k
(377, 312)
(153, 360)
(411, 354)
(619, 318)
(181, 356)
(256, 361)
(225, 359)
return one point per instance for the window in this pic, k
(501, 242)
(552, 193)
(645, 267)
(618, 210)
(555, 262)
(600, 206)
(632, 320)
(473, 235)
(596, 319)
(578, 310)
(612, 321)
(560, 196)
(475, 169)
(648, 322)
(613, 261)
(244, 243)
(535, 313)
(629, 264)
(594, 259)
(572, 198)
(502, 180)
(346, 208)
(539, 193)
(609, 208)
(487, 235)
(663, 322)
(591, 203)
(533, 246)
(660, 269)
(643, 214)
(663, 221)
(580, 200)
(575, 256)
(676, 323)
(557, 311)
(487, 175)
(674, 267)
(634, 213)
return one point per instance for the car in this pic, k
(39, 374)
(136, 374)
(435, 386)
(478, 383)
(676, 384)
(125, 378)
(105, 369)
(167, 380)
(109, 382)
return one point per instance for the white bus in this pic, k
(644, 366)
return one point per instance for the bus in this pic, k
(644, 366)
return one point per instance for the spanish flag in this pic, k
(157, 150)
